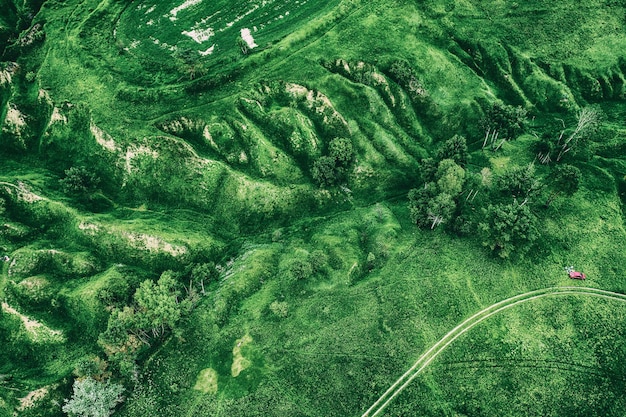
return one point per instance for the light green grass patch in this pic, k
(240, 362)
(207, 381)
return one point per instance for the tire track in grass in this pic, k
(531, 364)
(432, 353)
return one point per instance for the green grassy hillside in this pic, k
(275, 207)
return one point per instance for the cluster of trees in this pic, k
(332, 169)
(155, 311)
(504, 216)
(436, 201)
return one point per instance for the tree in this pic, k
(450, 177)
(440, 209)
(588, 120)
(565, 180)
(79, 181)
(504, 121)
(342, 151)
(93, 398)
(324, 171)
(454, 148)
(520, 182)
(508, 228)
(204, 272)
(158, 307)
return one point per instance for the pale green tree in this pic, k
(93, 398)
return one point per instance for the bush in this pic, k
(280, 309)
(300, 269)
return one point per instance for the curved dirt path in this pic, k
(466, 325)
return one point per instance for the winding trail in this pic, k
(472, 321)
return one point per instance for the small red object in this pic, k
(577, 275)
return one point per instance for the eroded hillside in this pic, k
(250, 163)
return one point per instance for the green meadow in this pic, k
(312, 208)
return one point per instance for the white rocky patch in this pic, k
(182, 7)
(208, 51)
(135, 151)
(57, 116)
(15, 117)
(248, 39)
(200, 35)
(5, 77)
(32, 398)
(103, 138)
(154, 244)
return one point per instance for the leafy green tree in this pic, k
(205, 272)
(519, 182)
(505, 120)
(158, 305)
(565, 180)
(93, 398)
(342, 151)
(325, 172)
(440, 209)
(450, 177)
(428, 167)
(79, 181)
(508, 228)
(455, 149)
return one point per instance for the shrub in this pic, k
(280, 308)
(300, 269)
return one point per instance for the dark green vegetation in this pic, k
(282, 229)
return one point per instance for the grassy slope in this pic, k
(349, 332)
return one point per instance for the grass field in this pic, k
(262, 152)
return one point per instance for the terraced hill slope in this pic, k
(259, 157)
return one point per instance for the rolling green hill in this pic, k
(275, 207)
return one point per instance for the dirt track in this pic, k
(466, 325)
